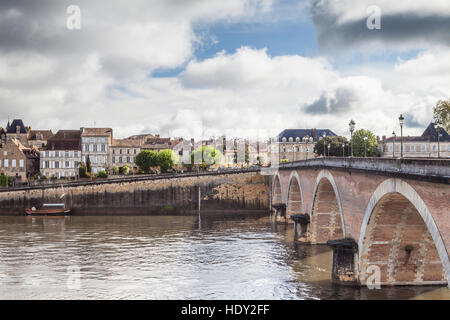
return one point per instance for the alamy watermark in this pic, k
(74, 20)
(374, 20)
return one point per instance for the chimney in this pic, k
(314, 133)
(17, 129)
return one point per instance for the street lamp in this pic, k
(393, 144)
(437, 126)
(329, 149)
(401, 120)
(365, 146)
(324, 145)
(351, 126)
(343, 150)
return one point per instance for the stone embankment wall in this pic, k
(237, 191)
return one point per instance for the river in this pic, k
(170, 257)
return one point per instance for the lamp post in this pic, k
(393, 144)
(401, 120)
(365, 146)
(437, 126)
(343, 150)
(324, 145)
(329, 146)
(351, 126)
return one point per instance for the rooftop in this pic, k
(86, 132)
(300, 133)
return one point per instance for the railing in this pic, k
(139, 177)
(425, 168)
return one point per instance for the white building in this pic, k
(425, 146)
(95, 145)
(61, 156)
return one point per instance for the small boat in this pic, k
(49, 209)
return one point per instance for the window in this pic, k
(413, 148)
(424, 148)
(6, 163)
(67, 164)
(120, 159)
(95, 148)
(103, 148)
(75, 154)
(56, 164)
(284, 139)
(67, 154)
(128, 151)
(91, 147)
(136, 150)
(128, 159)
(434, 148)
(94, 159)
(0, 163)
(5, 153)
(75, 164)
(114, 151)
(47, 164)
(113, 159)
(13, 163)
(120, 151)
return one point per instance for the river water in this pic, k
(170, 257)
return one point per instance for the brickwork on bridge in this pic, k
(326, 221)
(393, 226)
(342, 198)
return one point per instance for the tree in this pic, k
(101, 174)
(166, 159)
(206, 156)
(125, 170)
(441, 112)
(116, 170)
(147, 159)
(359, 145)
(88, 165)
(335, 144)
(82, 173)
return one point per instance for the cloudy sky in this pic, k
(210, 67)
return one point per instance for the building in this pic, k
(423, 146)
(95, 144)
(18, 131)
(16, 160)
(39, 138)
(61, 156)
(296, 144)
(123, 152)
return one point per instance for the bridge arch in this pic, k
(396, 217)
(327, 218)
(277, 194)
(295, 203)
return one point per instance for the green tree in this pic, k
(146, 159)
(166, 159)
(116, 170)
(359, 145)
(208, 155)
(5, 180)
(101, 174)
(82, 173)
(125, 170)
(88, 165)
(441, 112)
(335, 143)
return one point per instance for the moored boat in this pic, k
(49, 209)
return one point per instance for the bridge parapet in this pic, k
(436, 170)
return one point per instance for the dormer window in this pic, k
(291, 139)
(283, 139)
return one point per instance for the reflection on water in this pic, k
(165, 257)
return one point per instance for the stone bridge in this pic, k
(386, 218)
